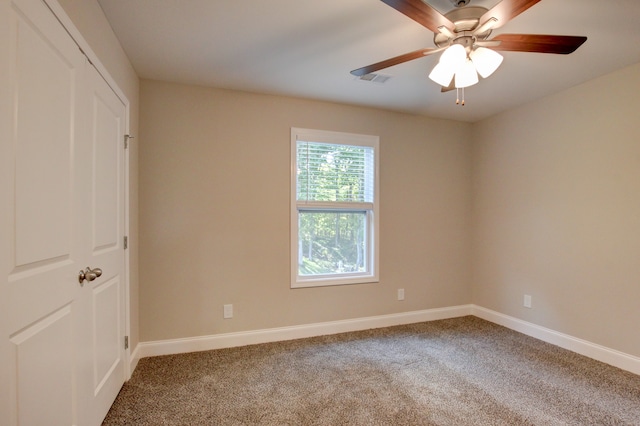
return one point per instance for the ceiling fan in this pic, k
(463, 36)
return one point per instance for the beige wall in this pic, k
(88, 18)
(214, 212)
(556, 211)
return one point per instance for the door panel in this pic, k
(46, 80)
(108, 361)
(108, 130)
(43, 171)
(106, 301)
(43, 353)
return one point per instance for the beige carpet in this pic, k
(462, 371)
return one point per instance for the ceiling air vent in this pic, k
(374, 78)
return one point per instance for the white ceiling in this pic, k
(306, 48)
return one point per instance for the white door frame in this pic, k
(6, 157)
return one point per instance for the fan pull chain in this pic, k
(458, 96)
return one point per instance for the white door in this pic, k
(63, 213)
(105, 212)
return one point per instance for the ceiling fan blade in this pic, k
(487, 43)
(395, 61)
(507, 10)
(422, 13)
(559, 44)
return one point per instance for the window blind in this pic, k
(334, 173)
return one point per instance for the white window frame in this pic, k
(372, 210)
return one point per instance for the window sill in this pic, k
(326, 282)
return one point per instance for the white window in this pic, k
(334, 208)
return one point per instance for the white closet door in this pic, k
(105, 213)
(63, 211)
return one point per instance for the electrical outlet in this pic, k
(228, 311)
(401, 294)
(527, 301)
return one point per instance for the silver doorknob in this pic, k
(89, 274)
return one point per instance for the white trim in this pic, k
(228, 340)
(134, 358)
(372, 209)
(75, 34)
(127, 251)
(592, 350)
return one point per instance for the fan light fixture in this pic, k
(463, 68)
(466, 75)
(485, 60)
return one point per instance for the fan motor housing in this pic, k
(465, 19)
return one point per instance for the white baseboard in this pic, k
(134, 358)
(592, 350)
(228, 340)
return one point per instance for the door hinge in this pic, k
(126, 140)
(126, 242)
(126, 342)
